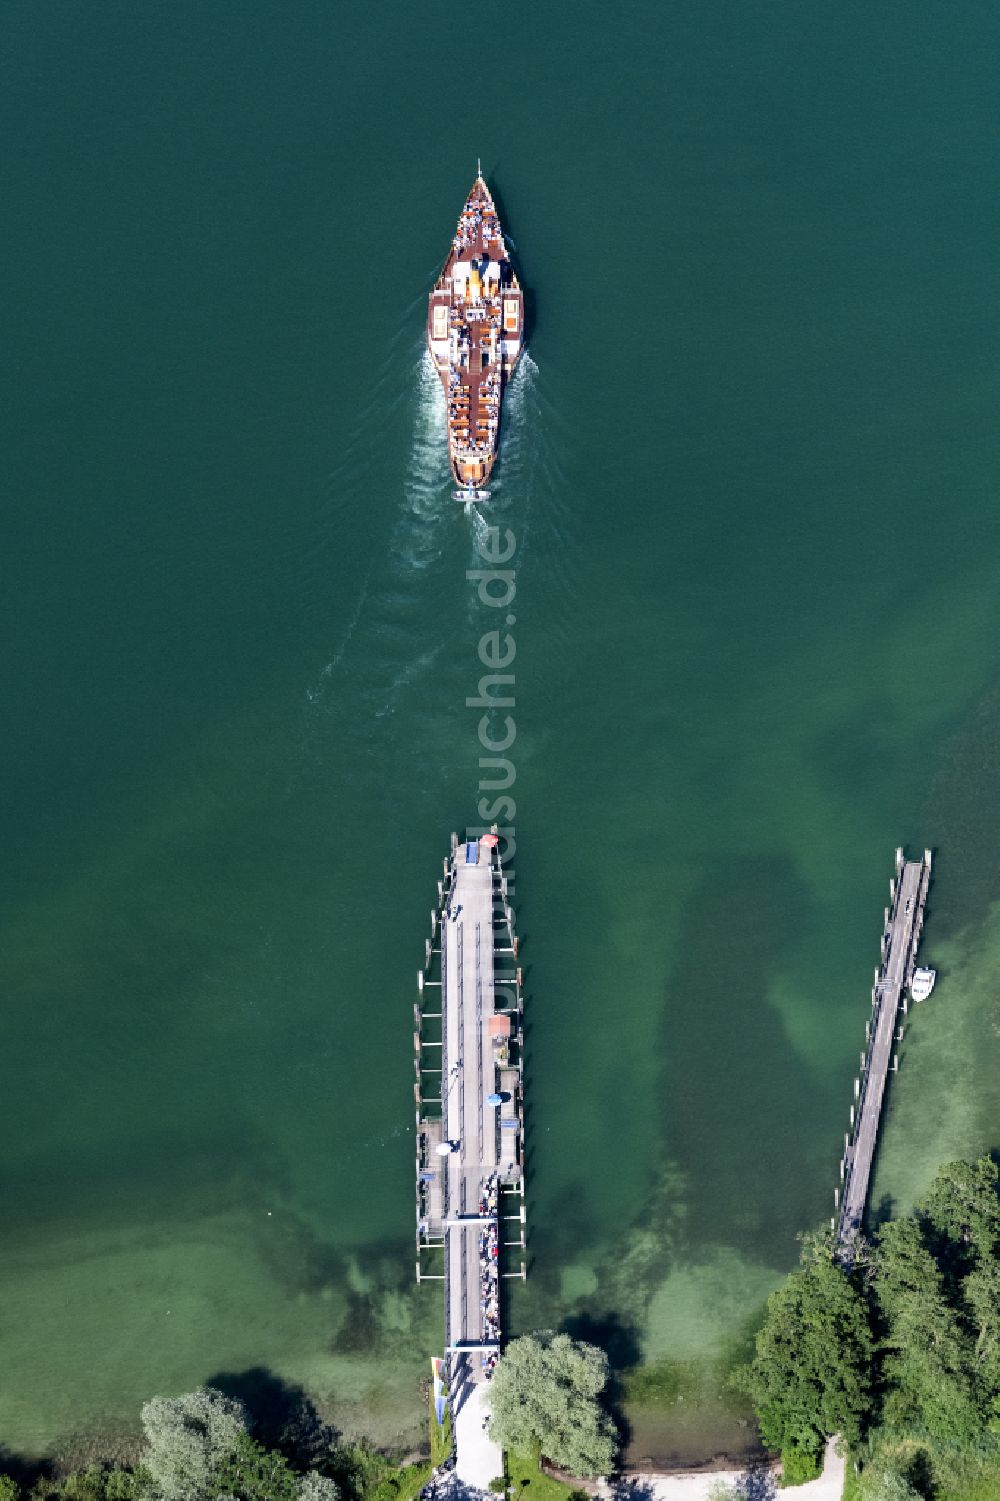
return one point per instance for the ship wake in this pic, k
(392, 638)
(530, 494)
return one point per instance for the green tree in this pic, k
(887, 1484)
(800, 1464)
(253, 1473)
(928, 1352)
(8, 1489)
(962, 1205)
(190, 1441)
(981, 1290)
(95, 1483)
(200, 1450)
(809, 1377)
(545, 1394)
(122, 1485)
(313, 1487)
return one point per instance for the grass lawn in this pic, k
(412, 1479)
(527, 1481)
(852, 1488)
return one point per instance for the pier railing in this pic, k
(902, 925)
(434, 1073)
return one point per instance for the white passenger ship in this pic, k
(475, 331)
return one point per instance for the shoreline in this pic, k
(696, 1485)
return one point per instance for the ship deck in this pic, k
(474, 386)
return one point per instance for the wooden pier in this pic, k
(470, 1132)
(903, 922)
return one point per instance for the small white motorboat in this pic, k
(923, 983)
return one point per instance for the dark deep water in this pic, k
(751, 466)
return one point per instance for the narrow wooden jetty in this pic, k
(470, 1132)
(903, 921)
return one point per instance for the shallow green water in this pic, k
(751, 467)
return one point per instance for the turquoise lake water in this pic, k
(751, 464)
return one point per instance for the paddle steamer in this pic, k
(475, 331)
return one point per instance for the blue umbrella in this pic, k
(494, 1099)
